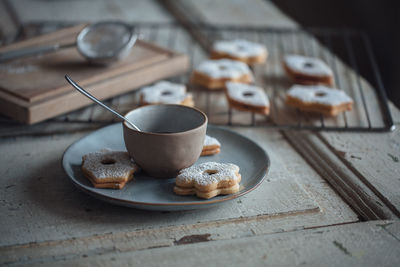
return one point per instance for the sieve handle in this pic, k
(31, 51)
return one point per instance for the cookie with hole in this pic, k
(108, 169)
(213, 74)
(319, 99)
(241, 50)
(207, 180)
(308, 70)
(211, 146)
(165, 92)
(247, 97)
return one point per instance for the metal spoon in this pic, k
(102, 42)
(87, 94)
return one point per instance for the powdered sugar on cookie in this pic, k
(208, 173)
(319, 94)
(164, 92)
(240, 48)
(105, 164)
(211, 141)
(307, 65)
(223, 68)
(248, 94)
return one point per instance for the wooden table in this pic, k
(329, 198)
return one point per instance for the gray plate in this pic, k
(149, 193)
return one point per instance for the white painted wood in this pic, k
(39, 203)
(361, 244)
(252, 13)
(347, 184)
(88, 11)
(375, 156)
(46, 220)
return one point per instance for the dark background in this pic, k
(380, 19)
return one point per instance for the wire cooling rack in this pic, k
(370, 110)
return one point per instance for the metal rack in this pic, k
(370, 111)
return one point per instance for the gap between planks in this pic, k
(229, 229)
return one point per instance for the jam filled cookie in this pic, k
(165, 92)
(208, 180)
(308, 70)
(211, 146)
(319, 99)
(213, 74)
(108, 169)
(242, 50)
(247, 98)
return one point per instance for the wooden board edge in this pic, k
(16, 112)
(74, 100)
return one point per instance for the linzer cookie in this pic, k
(165, 92)
(108, 169)
(319, 99)
(208, 180)
(213, 74)
(211, 146)
(308, 70)
(242, 50)
(246, 97)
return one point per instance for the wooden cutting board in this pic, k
(34, 89)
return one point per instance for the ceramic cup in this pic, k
(171, 138)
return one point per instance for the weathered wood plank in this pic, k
(38, 205)
(348, 185)
(252, 13)
(375, 157)
(86, 11)
(361, 244)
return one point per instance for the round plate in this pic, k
(150, 193)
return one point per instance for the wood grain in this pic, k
(363, 244)
(40, 207)
(33, 89)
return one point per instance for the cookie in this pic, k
(213, 74)
(242, 50)
(165, 92)
(110, 185)
(308, 70)
(208, 180)
(318, 98)
(211, 146)
(108, 169)
(246, 97)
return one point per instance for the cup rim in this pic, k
(205, 122)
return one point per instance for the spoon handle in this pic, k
(87, 94)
